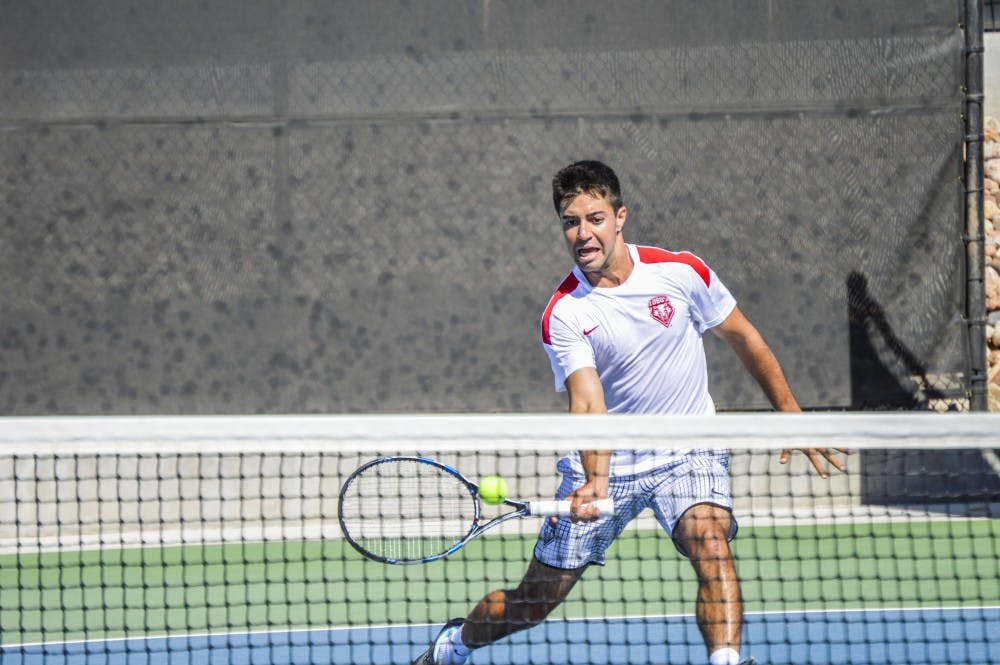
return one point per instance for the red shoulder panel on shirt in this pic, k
(564, 289)
(657, 255)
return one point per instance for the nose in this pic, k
(584, 231)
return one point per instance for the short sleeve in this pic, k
(568, 351)
(711, 301)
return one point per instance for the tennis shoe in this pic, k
(433, 655)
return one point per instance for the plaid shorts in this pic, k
(700, 477)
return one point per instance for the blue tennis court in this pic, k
(932, 636)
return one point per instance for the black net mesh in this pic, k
(217, 540)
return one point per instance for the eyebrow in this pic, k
(589, 215)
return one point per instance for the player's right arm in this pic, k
(762, 364)
(586, 395)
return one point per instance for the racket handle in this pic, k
(561, 508)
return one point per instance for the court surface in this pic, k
(913, 592)
(966, 635)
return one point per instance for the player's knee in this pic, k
(496, 606)
(711, 547)
(707, 537)
(527, 608)
(515, 608)
(704, 537)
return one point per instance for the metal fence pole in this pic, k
(975, 294)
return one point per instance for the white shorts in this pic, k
(701, 477)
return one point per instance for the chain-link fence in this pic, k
(241, 207)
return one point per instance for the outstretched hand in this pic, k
(817, 457)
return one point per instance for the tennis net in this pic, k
(217, 539)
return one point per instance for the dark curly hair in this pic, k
(586, 177)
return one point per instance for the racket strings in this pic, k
(407, 510)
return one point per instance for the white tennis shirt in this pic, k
(643, 336)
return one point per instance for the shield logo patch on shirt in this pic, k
(661, 310)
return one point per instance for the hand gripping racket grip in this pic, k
(561, 508)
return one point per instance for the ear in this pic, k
(620, 219)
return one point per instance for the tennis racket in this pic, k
(405, 510)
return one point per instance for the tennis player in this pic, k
(623, 333)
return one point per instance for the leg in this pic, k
(701, 534)
(570, 547)
(503, 612)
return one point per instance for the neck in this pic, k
(616, 271)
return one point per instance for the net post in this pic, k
(975, 258)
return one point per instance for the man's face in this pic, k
(591, 229)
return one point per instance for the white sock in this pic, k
(454, 651)
(724, 657)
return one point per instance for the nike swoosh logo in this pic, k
(587, 332)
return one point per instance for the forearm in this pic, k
(586, 396)
(596, 466)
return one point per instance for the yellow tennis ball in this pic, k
(493, 490)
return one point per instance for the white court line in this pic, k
(623, 618)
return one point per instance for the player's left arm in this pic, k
(750, 347)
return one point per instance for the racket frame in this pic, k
(520, 509)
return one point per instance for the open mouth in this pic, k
(587, 253)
